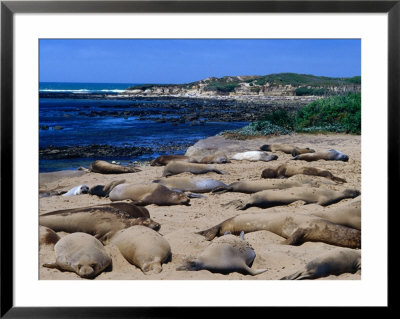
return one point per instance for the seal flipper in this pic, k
(296, 238)
(195, 195)
(53, 265)
(210, 233)
(294, 276)
(221, 189)
(254, 272)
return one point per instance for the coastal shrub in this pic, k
(221, 87)
(261, 128)
(281, 117)
(344, 110)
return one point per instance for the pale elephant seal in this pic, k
(101, 221)
(286, 148)
(165, 159)
(80, 253)
(225, 255)
(174, 168)
(104, 190)
(147, 194)
(336, 262)
(277, 197)
(47, 236)
(250, 187)
(187, 184)
(77, 190)
(348, 214)
(143, 247)
(297, 228)
(283, 171)
(331, 155)
(211, 159)
(104, 167)
(254, 156)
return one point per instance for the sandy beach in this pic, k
(179, 223)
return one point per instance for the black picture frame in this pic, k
(9, 8)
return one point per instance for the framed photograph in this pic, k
(162, 156)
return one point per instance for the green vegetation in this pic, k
(304, 90)
(340, 114)
(221, 87)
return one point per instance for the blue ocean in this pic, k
(79, 114)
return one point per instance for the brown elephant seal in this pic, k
(101, 221)
(174, 168)
(186, 184)
(143, 247)
(104, 167)
(283, 171)
(310, 195)
(165, 159)
(47, 236)
(336, 262)
(80, 253)
(348, 214)
(147, 194)
(211, 159)
(224, 255)
(104, 190)
(254, 156)
(295, 227)
(286, 148)
(250, 187)
(331, 155)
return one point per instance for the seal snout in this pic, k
(86, 271)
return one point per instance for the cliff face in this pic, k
(285, 84)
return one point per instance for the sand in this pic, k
(179, 224)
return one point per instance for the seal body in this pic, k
(104, 190)
(224, 255)
(331, 155)
(174, 168)
(296, 228)
(165, 159)
(254, 156)
(77, 190)
(212, 159)
(336, 262)
(80, 253)
(185, 184)
(142, 195)
(284, 171)
(274, 197)
(348, 215)
(286, 148)
(250, 187)
(104, 167)
(143, 247)
(101, 221)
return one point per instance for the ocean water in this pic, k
(78, 129)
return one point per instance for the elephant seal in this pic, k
(277, 197)
(254, 156)
(174, 168)
(142, 195)
(211, 159)
(297, 228)
(250, 187)
(225, 255)
(336, 262)
(80, 253)
(104, 167)
(47, 236)
(165, 159)
(331, 155)
(186, 184)
(348, 214)
(104, 190)
(101, 221)
(283, 171)
(286, 148)
(143, 247)
(77, 190)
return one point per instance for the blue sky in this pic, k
(182, 61)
